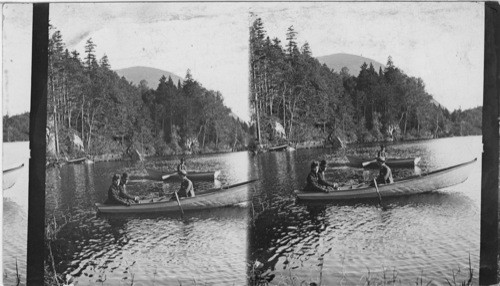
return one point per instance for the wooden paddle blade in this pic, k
(165, 177)
(179, 203)
(364, 164)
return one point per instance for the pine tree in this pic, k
(291, 37)
(306, 50)
(104, 62)
(90, 57)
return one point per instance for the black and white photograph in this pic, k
(147, 177)
(250, 143)
(16, 79)
(368, 120)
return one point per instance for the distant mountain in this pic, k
(352, 62)
(151, 75)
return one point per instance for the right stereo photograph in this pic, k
(367, 123)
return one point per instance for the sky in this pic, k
(210, 40)
(442, 43)
(16, 58)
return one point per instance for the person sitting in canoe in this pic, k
(186, 189)
(123, 189)
(385, 173)
(382, 153)
(321, 176)
(182, 166)
(313, 184)
(114, 197)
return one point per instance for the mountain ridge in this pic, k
(152, 75)
(352, 62)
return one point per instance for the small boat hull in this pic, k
(278, 148)
(77, 161)
(215, 198)
(408, 186)
(193, 176)
(391, 162)
(10, 176)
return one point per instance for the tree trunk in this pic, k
(54, 101)
(91, 124)
(256, 105)
(284, 107)
(292, 111)
(83, 119)
(56, 133)
(204, 134)
(235, 139)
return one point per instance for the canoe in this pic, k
(278, 148)
(194, 176)
(76, 161)
(10, 176)
(391, 162)
(213, 198)
(423, 183)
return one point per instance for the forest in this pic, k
(16, 128)
(91, 110)
(296, 99)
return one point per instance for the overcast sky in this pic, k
(209, 39)
(440, 42)
(16, 58)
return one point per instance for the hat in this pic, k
(116, 177)
(124, 176)
(323, 163)
(182, 173)
(314, 164)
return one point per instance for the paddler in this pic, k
(385, 173)
(321, 176)
(123, 189)
(182, 166)
(186, 189)
(114, 197)
(313, 184)
(382, 153)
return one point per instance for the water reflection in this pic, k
(343, 241)
(152, 248)
(15, 214)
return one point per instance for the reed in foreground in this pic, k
(258, 276)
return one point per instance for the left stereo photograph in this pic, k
(147, 176)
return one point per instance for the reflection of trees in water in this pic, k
(297, 236)
(53, 193)
(84, 243)
(289, 235)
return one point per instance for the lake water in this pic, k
(15, 213)
(201, 248)
(428, 236)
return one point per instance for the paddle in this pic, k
(164, 177)
(364, 164)
(179, 202)
(378, 192)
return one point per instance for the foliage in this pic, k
(290, 85)
(16, 128)
(111, 114)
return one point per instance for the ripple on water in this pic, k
(424, 236)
